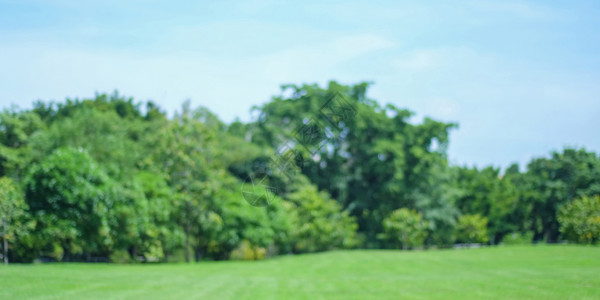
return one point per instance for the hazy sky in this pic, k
(521, 78)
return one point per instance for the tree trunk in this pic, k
(188, 229)
(66, 252)
(165, 253)
(134, 253)
(5, 243)
(187, 243)
(199, 253)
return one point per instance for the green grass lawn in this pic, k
(527, 272)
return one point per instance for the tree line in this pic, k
(112, 179)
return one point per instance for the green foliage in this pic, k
(405, 229)
(484, 192)
(580, 220)
(12, 214)
(472, 229)
(371, 162)
(109, 140)
(73, 202)
(16, 130)
(247, 251)
(319, 223)
(516, 238)
(120, 257)
(109, 178)
(556, 181)
(262, 227)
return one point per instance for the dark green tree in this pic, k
(72, 200)
(370, 158)
(556, 181)
(13, 210)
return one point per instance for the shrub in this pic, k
(516, 238)
(247, 251)
(320, 223)
(120, 257)
(472, 229)
(405, 229)
(580, 220)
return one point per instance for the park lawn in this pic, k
(509, 272)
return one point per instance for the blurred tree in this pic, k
(405, 229)
(472, 229)
(319, 222)
(485, 192)
(162, 214)
(16, 130)
(71, 198)
(12, 213)
(111, 177)
(580, 220)
(108, 139)
(556, 181)
(368, 157)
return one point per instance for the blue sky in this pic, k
(522, 78)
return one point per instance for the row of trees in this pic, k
(111, 179)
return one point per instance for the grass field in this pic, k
(524, 272)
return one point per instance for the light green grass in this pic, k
(527, 272)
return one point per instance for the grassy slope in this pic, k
(539, 272)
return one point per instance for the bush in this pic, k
(246, 251)
(319, 222)
(176, 256)
(580, 220)
(405, 229)
(120, 257)
(472, 229)
(516, 238)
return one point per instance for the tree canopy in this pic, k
(319, 168)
